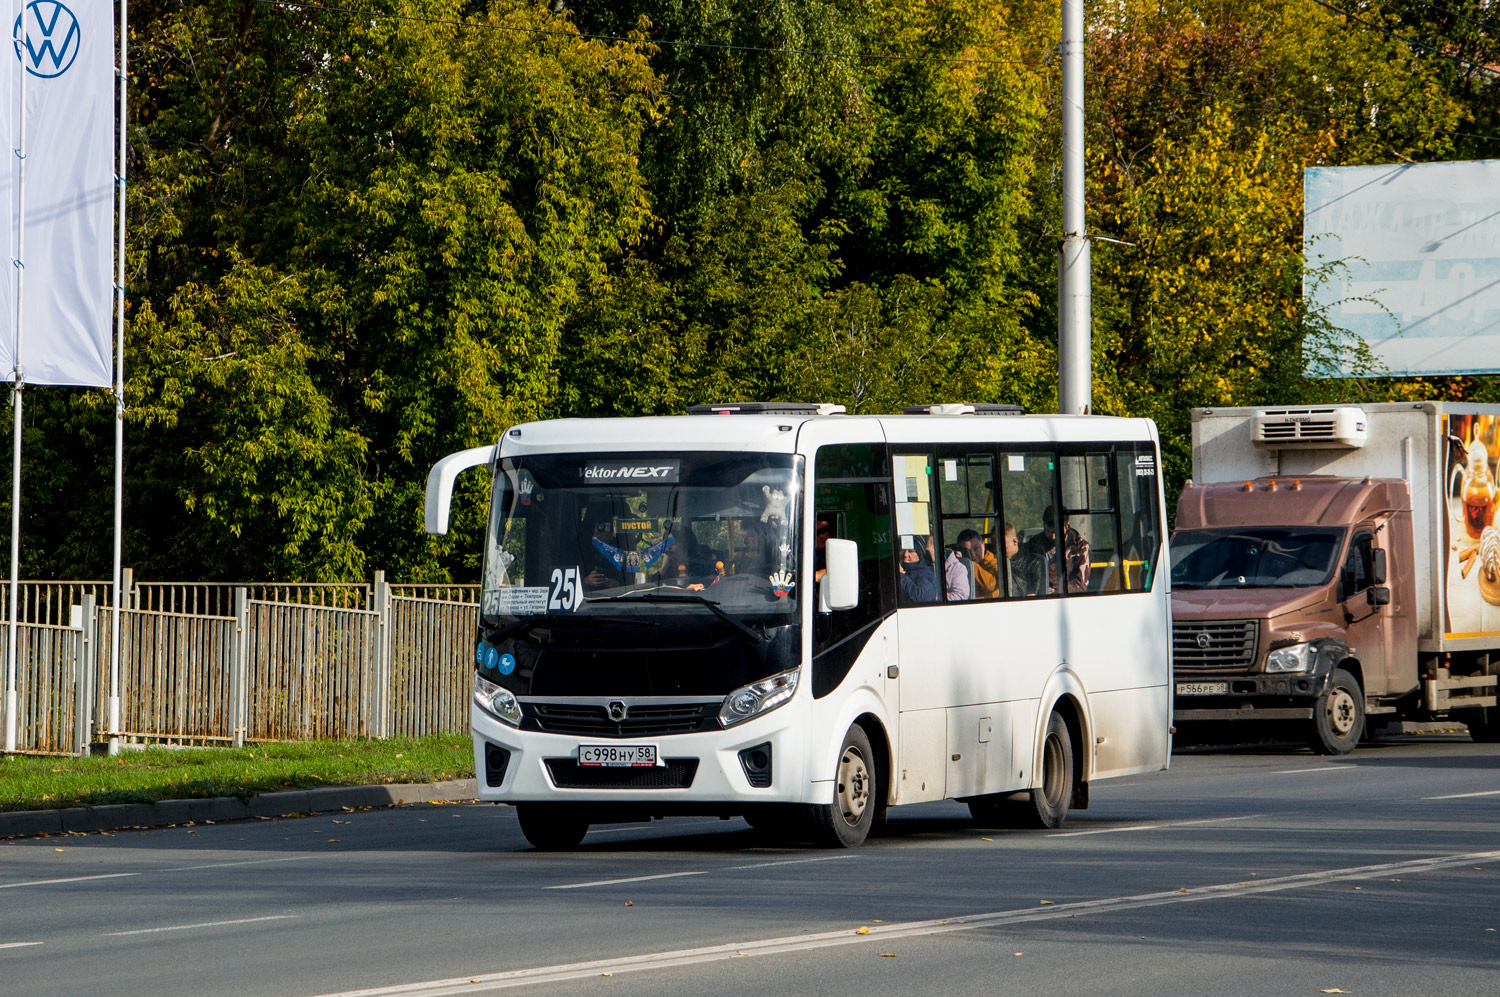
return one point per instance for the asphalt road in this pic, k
(1240, 871)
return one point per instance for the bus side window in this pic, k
(1140, 525)
(1027, 487)
(851, 494)
(919, 565)
(1088, 499)
(970, 523)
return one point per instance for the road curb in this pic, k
(164, 813)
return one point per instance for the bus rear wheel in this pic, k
(846, 822)
(1048, 806)
(552, 827)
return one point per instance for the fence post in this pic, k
(239, 667)
(83, 678)
(381, 696)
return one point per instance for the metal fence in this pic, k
(208, 663)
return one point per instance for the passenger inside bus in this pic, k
(985, 567)
(918, 580)
(955, 573)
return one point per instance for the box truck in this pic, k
(1333, 564)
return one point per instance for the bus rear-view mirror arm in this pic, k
(840, 586)
(440, 484)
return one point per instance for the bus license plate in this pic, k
(1202, 688)
(617, 755)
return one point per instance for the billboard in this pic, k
(1406, 258)
(1471, 536)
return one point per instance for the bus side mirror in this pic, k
(1378, 596)
(440, 484)
(1378, 569)
(839, 588)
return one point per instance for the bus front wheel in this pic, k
(552, 827)
(1048, 806)
(846, 822)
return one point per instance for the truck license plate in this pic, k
(617, 755)
(1202, 688)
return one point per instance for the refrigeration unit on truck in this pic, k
(1333, 564)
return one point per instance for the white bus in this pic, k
(801, 617)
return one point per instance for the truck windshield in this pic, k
(1254, 557)
(679, 541)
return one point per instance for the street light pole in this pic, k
(1075, 387)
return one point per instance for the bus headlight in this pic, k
(497, 700)
(1297, 658)
(758, 697)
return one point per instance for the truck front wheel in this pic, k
(1339, 716)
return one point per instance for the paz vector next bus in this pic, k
(782, 612)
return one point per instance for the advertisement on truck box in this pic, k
(1471, 536)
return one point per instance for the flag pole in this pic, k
(117, 577)
(12, 699)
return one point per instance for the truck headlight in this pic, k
(497, 700)
(758, 697)
(1296, 658)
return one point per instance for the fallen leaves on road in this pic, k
(863, 930)
(1046, 903)
(630, 903)
(887, 955)
(1332, 990)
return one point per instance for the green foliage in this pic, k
(360, 242)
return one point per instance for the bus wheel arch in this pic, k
(880, 748)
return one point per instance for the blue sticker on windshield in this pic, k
(490, 657)
(507, 664)
(479, 654)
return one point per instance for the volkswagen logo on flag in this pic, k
(49, 41)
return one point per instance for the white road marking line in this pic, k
(694, 872)
(886, 932)
(17, 945)
(767, 865)
(1464, 796)
(70, 879)
(1152, 827)
(631, 879)
(230, 865)
(205, 924)
(1320, 768)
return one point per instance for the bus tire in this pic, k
(552, 827)
(846, 822)
(1048, 805)
(1338, 716)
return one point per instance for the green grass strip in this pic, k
(150, 774)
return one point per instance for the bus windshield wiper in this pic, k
(752, 636)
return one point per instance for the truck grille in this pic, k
(641, 720)
(677, 773)
(1214, 643)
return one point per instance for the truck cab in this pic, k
(1291, 602)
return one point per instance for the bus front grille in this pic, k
(1213, 643)
(677, 773)
(641, 719)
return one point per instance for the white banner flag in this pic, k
(67, 50)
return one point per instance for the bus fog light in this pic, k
(758, 697)
(497, 700)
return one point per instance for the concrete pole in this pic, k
(1075, 386)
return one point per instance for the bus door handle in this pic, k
(892, 671)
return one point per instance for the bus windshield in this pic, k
(1254, 557)
(680, 535)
